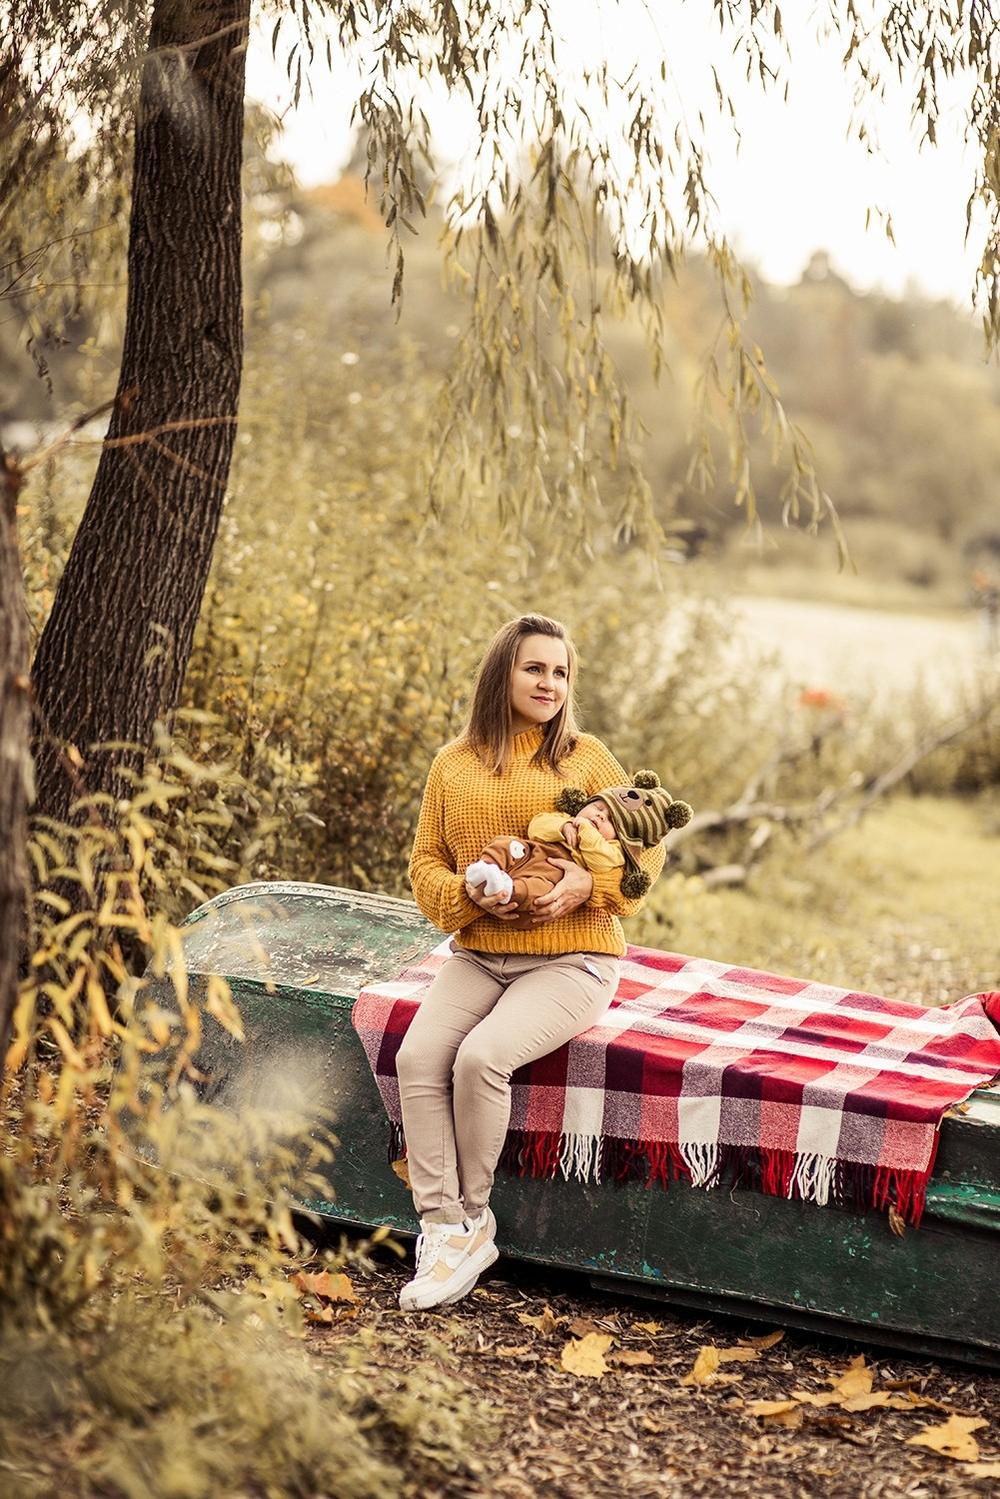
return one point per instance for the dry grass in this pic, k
(896, 905)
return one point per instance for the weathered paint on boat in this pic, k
(296, 957)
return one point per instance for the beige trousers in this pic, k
(485, 1015)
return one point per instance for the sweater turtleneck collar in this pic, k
(524, 745)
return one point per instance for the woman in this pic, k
(505, 996)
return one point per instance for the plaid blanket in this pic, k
(725, 1075)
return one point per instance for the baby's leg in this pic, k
(496, 880)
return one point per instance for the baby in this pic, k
(605, 831)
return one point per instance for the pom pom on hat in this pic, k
(634, 883)
(645, 779)
(571, 799)
(679, 814)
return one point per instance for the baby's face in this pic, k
(597, 813)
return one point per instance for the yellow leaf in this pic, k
(633, 1357)
(402, 1170)
(651, 1327)
(545, 1323)
(336, 1287)
(581, 1326)
(856, 1379)
(766, 1409)
(219, 1004)
(706, 1366)
(767, 1341)
(984, 1470)
(585, 1356)
(20, 1028)
(65, 1043)
(98, 1006)
(952, 1438)
(512, 1351)
(879, 1399)
(805, 1397)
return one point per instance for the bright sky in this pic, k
(797, 183)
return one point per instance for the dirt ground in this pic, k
(638, 1429)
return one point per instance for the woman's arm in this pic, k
(438, 889)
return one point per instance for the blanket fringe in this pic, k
(778, 1173)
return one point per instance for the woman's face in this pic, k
(539, 681)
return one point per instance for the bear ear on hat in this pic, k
(646, 780)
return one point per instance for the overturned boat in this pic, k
(296, 956)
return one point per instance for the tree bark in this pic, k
(15, 761)
(112, 656)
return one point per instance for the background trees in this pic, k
(115, 647)
(571, 215)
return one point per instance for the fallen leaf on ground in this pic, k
(856, 1379)
(952, 1438)
(650, 1327)
(320, 1314)
(336, 1287)
(586, 1355)
(634, 1357)
(402, 1170)
(777, 1412)
(546, 1322)
(580, 1326)
(704, 1371)
(767, 1341)
(512, 1352)
(984, 1470)
(808, 1397)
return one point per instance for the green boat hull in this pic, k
(296, 957)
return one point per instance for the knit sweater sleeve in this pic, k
(438, 888)
(606, 894)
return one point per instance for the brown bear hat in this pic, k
(642, 814)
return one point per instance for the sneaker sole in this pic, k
(490, 1258)
(487, 1256)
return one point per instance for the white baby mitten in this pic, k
(498, 881)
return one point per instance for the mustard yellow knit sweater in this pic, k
(465, 806)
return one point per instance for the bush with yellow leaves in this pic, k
(151, 1278)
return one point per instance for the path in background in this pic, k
(846, 649)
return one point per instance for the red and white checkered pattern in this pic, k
(714, 1073)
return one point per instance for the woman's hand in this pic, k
(493, 905)
(573, 890)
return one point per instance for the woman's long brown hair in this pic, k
(489, 726)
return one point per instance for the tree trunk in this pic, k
(112, 656)
(15, 761)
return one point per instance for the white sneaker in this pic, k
(450, 1259)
